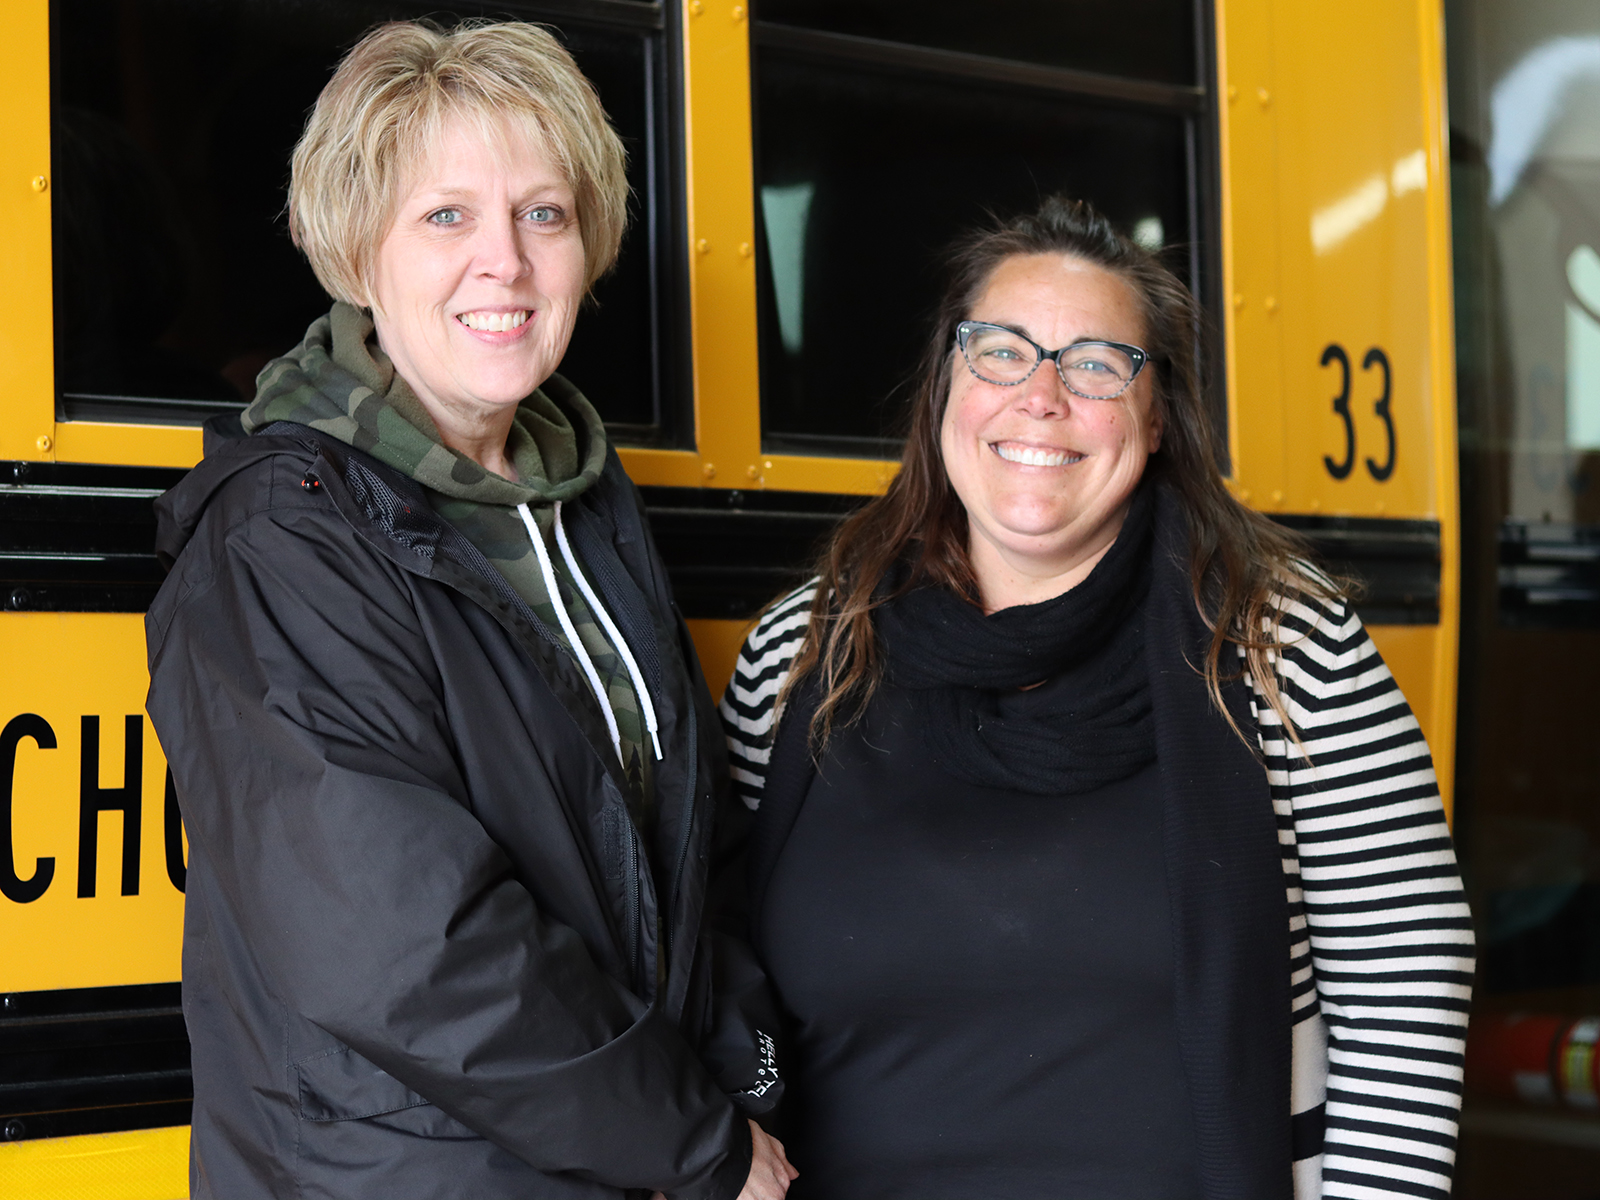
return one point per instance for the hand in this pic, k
(770, 1172)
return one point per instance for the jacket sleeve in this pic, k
(745, 1042)
(1390, 935)
(295, 692)
(741, 1047)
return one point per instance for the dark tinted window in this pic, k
(1141, 39)
(175, 280)
(865, 176)
(1524, 100)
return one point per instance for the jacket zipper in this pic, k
(635, 950)
(489, 575)
(688, 826)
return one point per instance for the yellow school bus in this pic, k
(796, 168)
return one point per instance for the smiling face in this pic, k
(476, 287)
(1045, 475)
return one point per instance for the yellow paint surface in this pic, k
(128, 445)
(1409, 651)
(661, 468)
(720, 173)
(1336, 241)
(854, 476)
(144, 1164)
(27, 347)
(717, 643)
(63, 667)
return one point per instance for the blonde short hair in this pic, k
(384, 107)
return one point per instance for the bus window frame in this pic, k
(33, 426)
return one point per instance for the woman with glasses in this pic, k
(1096, 853)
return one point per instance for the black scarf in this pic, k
(1087, 724)
(1225, 882)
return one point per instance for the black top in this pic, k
(981, 984)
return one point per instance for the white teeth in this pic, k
(1030, 456)
(488, 322)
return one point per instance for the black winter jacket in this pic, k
(420, 949)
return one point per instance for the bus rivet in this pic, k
(753, 471)
(1277, 496)
(709, 471)
(738, 12)
(40, 182)
(1272, 303)
(1233, 92)
(744, 249)
(1264, 96)
(1238, 299)
(44, 443)
(703, 246)
(696, 8)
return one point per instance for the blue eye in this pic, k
(544, 214)
(445, 216)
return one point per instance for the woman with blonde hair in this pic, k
(1096, 852)
(446, 759)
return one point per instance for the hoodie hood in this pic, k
(339, 381)
(179, 508)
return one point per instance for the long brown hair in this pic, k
(1240, 561)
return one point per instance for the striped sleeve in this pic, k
(1381, 938)
(749, 706)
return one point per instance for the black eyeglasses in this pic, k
(1093, 370)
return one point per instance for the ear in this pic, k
(1158, 426)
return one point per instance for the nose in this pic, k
(499, 251)
(1044, 395)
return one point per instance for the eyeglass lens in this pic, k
(1093, 370)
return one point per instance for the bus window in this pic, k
(864, 179)
(1141, 39)
(1525, 151)
(869, 161)
(175, 281)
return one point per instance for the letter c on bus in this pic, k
(23, 891)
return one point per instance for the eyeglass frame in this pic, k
(967, 328)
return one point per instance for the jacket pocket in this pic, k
(340, 1085)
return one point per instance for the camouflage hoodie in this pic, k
(340, 382)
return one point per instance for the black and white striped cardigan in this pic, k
(1380, 939)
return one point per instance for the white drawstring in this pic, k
(612, 632)
(578, 651)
